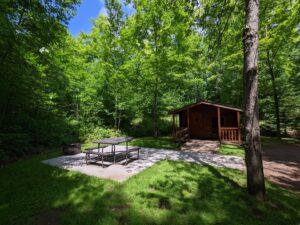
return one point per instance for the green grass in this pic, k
(167, 193)
(236, 150)
(270, 140)
(225, 149)
(151, 142)
(273, 140)
(147, 142)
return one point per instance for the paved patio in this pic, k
(148, 157)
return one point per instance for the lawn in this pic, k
(226, 149)
(147, 142)
(160, 142)
(168, 143)
(167, 193)
(273, 140)
(237, 150)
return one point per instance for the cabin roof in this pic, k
(206, 103)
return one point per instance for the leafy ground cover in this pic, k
(167, 193)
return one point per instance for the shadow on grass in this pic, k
(167, 193)
(208, 195)
(195, 195)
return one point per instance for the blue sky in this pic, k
(88, 10)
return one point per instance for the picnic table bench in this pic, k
(95, 155)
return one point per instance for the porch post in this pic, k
(219, 123)
(239, 127)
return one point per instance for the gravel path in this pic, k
(148, 157)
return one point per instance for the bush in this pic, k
(267, 129)
(14, 145)
(32, 135)
(94, 133)
(145, 127)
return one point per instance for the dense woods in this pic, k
(131, 70)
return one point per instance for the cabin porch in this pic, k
(207, 121)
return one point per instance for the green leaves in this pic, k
(132, 70)
(31, 80)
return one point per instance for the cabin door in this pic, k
(195, 125)
(203, 125)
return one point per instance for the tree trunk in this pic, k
(119, 120)
(155, 99)
(77, 111)
(116, 112)
(155, 114)
(275, 96)
(255, 175)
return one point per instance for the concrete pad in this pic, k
(77, 163)
(148, 157)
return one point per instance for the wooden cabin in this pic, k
(208, 121)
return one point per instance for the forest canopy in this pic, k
(129, 72)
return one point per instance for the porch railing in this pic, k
(230, 134)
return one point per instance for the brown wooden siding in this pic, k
(203, 122)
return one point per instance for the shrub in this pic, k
(94, 133)
(145, 127)
(13, 145)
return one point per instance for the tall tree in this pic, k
(255, 174)
(275, 92)
(114, 18)
(30, 80)
(278, 34)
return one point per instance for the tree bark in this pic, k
(275, 95)
(116, 112)
(77, 111)
(255, 175)
(155, 97)
(155, 114)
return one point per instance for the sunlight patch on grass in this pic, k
(145, 142)
(236, 150)
(170, 192)
(151, 142)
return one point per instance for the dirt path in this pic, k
(282, 163)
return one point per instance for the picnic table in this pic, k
(102, 155)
